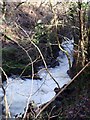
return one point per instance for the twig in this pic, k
(49, 116)
(19, 4)
(28, 65)
(32, 78)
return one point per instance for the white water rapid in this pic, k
(42, 91)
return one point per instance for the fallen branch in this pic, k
(41, 110)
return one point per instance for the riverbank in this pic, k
(73, 103)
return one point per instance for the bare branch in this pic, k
(56, 24)
(31, 40)
(8, 115)
(4, 74)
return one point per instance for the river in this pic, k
(40, 91)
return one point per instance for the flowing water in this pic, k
(41, 91)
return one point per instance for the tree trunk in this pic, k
(88, 49)
(81, 47)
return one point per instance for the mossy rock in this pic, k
(9, 53)
(13, 53)
(14, 61)
(16, 68)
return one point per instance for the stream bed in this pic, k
(40, 91)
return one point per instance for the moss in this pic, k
(13, 62)
(16, 68)
(14, 53)
(9, 53)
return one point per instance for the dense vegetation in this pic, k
(32, 37)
